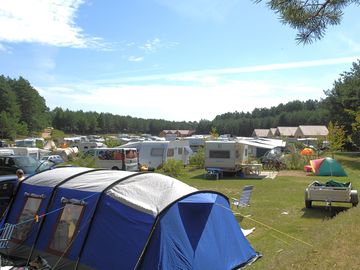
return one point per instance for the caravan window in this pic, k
(66, 227)
(110, 154)
(170, 152)
(90, 153)
(29, 212)
(130, 154)
(219, 154)
(180, 151)
(157, 152)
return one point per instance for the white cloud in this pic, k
(135, 58)
(153, 45)
(196, 95)
(208, 75)
(180, 102)
(4, 49)
(44, 21)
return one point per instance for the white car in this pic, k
(53, 158)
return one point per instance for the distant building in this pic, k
(177, 133)
(261, 133)
(285, 131)
(311, 131)
(272, 132)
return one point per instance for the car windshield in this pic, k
(44, 165)
(28, 164)
(25, 161)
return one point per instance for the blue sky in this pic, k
(168, 59)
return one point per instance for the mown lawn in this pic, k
(287, 234)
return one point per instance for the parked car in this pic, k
(7, 185)
(9, 164)
(3, 143)
(57, 159)
(8, 179)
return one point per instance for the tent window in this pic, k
(27, 216)
(66, 227)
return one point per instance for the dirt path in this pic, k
(292, 173)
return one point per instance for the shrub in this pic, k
(294, 160)
(198, 159)
(81, 161)
(173, 167)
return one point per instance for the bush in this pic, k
(173, 168)
(295, 161)
(81, 161)
(198, 159)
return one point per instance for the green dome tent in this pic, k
(327, 167)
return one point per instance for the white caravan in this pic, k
(154, 154)
(225, 155)
(84, 146)
(197, 142)
(125, 159)
(34, 152)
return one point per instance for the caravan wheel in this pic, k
(115, 168)
(308, 204)
(354, 198)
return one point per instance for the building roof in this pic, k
(312, 131)
(182, 132)
(286, 131)
(272, 131)
(261, 133)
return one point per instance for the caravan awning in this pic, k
(266, 144)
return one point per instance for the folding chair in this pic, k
(5, 236)
(244, 197)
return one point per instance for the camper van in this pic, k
(154, 154)
(115, 158)
(225, 155)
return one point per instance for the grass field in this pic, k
(288, 235)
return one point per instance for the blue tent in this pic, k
(81, 218)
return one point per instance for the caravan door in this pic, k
(152, 155)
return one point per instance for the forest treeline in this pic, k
(24, 112)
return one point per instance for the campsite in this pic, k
(185, 135)
(288, 235)
(285, 233)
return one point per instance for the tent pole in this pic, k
(95, 211)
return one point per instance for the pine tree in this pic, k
(309, 17)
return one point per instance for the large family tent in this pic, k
(81, 218)
(327, 167)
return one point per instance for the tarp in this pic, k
(327, 167)
(85, 219)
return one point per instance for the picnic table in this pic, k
(214, 173)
